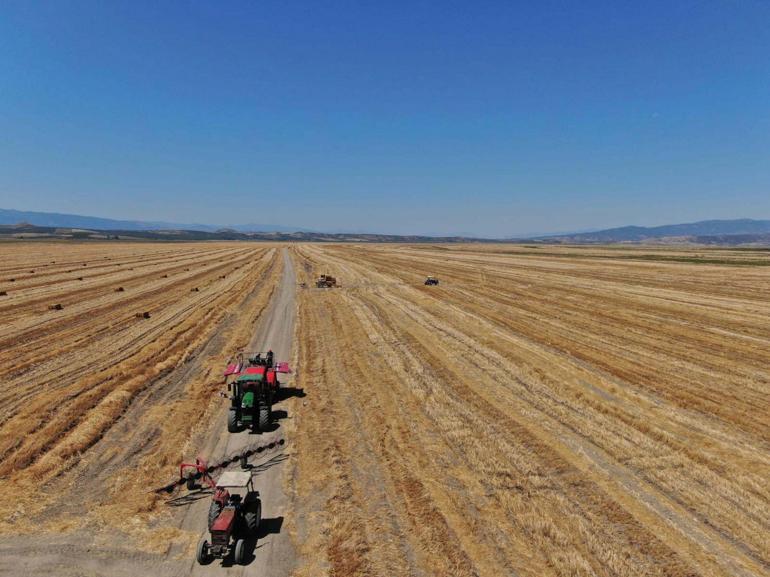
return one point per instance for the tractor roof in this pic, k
(250, 379)
(234, 479)
(252, 374)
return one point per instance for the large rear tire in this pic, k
(202, 554)
(232, 421)
(253, 517)
(239, 556)
(214, 510)
(264, 417)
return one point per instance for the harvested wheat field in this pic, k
(544, 411)
(102, 398)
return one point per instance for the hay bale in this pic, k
(56, 307)
(120, 289)
(80, 278)
(144, 315)
(194, 290)
(3, 293)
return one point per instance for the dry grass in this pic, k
(546, 411)
(97, 404)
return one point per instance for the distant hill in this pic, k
(744, 231)
(28, 231)
(54, 219)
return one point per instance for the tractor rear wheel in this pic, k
(202, 553)
(253, 517)
(264, 417)
(232, 421)
(240, 552)
(214, 510)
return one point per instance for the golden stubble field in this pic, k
(551, 411)
(99, 404)
(548, 411)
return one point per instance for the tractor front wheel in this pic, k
(202, 554)
(232, 421)
(239, 555)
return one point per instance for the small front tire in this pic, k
(202, 554)
(239, 556)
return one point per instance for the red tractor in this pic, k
(234, 514)
(252, 390)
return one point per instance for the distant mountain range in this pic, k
(739, 231)
(57, 220)
(718, 232)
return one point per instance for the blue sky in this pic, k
(492, 118)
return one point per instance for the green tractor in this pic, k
(252, 394)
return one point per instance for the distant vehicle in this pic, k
(326, 281)
(431, 280)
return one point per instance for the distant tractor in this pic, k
(431, 281)
(234, 516)
(326, 281)
(253, 390)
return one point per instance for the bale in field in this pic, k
(194, 289)
(3, 293)
(80, 278)
(119, 289)
(56, 307)
(144, 315)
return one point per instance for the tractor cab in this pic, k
(261, 360)
(232, 518)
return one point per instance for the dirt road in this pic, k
(272, 555)
(95, 551)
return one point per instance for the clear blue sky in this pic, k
(492, 118)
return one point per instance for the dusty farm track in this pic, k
(542, 412)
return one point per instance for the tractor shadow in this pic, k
(271, 462)
(284, 393)
(270, 526)
(266, 527)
